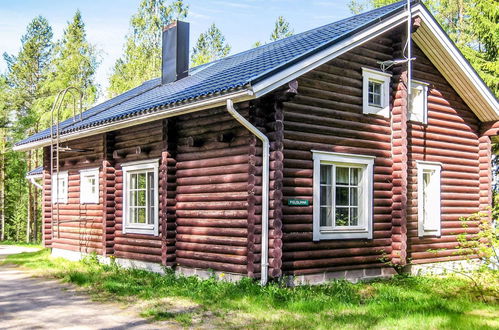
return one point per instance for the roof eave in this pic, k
(160, 113)
(451, 63)
(485, 106)
(292, 72)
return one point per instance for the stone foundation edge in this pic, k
(354, 275)
(443, 267)
(149, 266)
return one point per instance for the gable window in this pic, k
(428, 198)
(342, 195)
(140, 203)
(418, 110)
(89, 186)
(376, 92)
(60, 187)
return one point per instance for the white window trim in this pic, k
(56, 199)
(421, 167)
(361, 232)
(147, 229)
(88, 198)
(412, 116)
(384, 78)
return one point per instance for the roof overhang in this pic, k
(442, 52)
(429, 37)
(160, 113)
(432, 40)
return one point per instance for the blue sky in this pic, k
(242, 22)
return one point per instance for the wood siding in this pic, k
(212, 173)
(327, 115)
(149, 138)
(210, 176)
(80, 226)
(452, 138)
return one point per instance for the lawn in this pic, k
(36, 245)
(403, 302)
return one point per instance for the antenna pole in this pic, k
(409, 53)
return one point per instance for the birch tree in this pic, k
(141, 60)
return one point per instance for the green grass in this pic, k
(38, 245)
(401, 303)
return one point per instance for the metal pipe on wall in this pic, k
(265, 186)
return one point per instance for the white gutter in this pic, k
(32, 179)
(132, 121)
(265, 187)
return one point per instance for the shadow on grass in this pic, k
(402, 302)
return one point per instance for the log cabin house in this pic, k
(298, 158)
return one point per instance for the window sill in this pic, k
(149, 230)
(343, 234)
(87, 202)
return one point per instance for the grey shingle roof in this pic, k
(228, 74)
(35, 172)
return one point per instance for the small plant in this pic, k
(483, 245)
(387, 260)
(91, 259)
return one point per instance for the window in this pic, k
(428, 198)
(418, 110)
(140, 204)
(89, 186)
(60, 187)
(342, 195)
(376, 92)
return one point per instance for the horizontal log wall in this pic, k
(74, 226)
(212, 171)
(149, 140)
(327, 115)
(452, 138)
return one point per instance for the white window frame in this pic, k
(86, 197)
(139, 228)
(56, 199)
(364, 229)
(433, 228)
(384, 79)
(420, 115)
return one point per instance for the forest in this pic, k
(43, 66)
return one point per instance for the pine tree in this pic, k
(281, 29)
(74, 64)
(210, 46)
(141, 60)
(483, 52)
(3, 141)
(27, 73)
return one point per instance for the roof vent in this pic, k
(175, 52)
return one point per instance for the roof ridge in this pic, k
(396, 6)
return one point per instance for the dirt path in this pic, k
(30, 303)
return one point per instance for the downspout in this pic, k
(265, 187)
(36, 184)
(409, 54)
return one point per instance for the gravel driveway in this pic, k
(31, 303)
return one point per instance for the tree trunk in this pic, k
(30, 200)
(2, 185)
